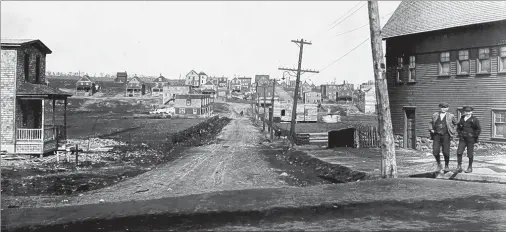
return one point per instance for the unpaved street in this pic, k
(234, 161)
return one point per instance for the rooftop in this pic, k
(24, 42)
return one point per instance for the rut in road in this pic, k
(233, 162)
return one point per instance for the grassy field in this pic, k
(346, 122)
(109, 88)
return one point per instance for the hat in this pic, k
(443, 105)
(467, 108)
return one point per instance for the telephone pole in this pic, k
(271, 117)
(300, 43)
(388, 161)
(265, 98)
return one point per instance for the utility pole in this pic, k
(265, 97)
(300, 43)
(388, 161)
(271, 117)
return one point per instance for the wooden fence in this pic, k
(367, 137)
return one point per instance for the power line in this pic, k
(348, 16)
(346, 13)
(352, 30)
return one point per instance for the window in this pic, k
(399, 68)
(463, 62)
(484, 60)
(194, 111)
(412, 68)
(188, 102)
(502, 59)
(37, 70)
(499, 124)
(444, 63)
(460, 112)
(27, 67)
(182, 111)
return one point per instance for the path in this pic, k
(233, 162)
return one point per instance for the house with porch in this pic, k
(158, 84)
(33, 116)
(235, 85)
(86, 86)
(135, 87)
(446, 51)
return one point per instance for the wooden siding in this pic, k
(482, 92)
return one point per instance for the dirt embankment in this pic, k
(106, 168)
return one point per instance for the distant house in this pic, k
(193, 104)
(312, 97)
(176, 82)
(192, 79)
(135, 87)
(209, 88)
(170, 92)
(33, 117)
(344, 96)
(235, 85)
(329, 91)
(245, 84)
(121, 77)
(266, 95)
(158, 84)
(202, 78)
(303, 88)
(446, 51)
(85, 86)
(262, 80)
(208, 85)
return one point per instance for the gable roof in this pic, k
(160, 79)
(137, 78)
(23, 42)
(413, 17)
(85, 78)
(192, 71)
(209, 83)
(202, 73)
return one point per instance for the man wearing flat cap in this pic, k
(469, 130)
(442, 129)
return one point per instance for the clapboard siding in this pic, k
(482, 92)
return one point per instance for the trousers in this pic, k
(444, 142)
(466, 142)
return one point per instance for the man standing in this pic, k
(469, 130)
(442, 129)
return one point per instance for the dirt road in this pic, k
(234, 161)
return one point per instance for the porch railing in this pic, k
(49, 133)
(29, 134)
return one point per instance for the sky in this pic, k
(220, 38)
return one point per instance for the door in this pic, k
(410, 129)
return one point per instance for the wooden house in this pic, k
(135, 87)
(312, 97)
(192, 79)
(266, 95)
(262, 80)
(446, 51)
(121, 77)
(245, 84)
(158, 84)
(34, 115)
(193, 104)
(86, 86)
(235, 85)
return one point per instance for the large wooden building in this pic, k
(446, 51)
(135, 87)
(86, 86)
(193, 104)
(158, 84)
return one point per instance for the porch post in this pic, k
(43, 127)
(65, 118)
(54, 111)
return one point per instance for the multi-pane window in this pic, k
(444, 63)
(412, 68)
(182, 111)
(194, 111)
(502, 59)
(484, 60)
(27, 67)
(499, 124)
(400, 62)
(463, 62)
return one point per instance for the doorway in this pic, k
(410, 128)
(342, 138)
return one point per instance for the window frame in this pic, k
(399, 67)
(194, 110)
(494, 111)
(188, 102)
(441, 62)
(459, 64)
(478, 61)
(412, 68)
(26, 66)
(501, 67)
(182, 111)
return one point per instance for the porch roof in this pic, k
(37, 90)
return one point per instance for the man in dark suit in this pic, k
(442, 129)
(469, 130)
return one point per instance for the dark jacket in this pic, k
(475, 125)
(451, 121)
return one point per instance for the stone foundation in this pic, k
(425, 144)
